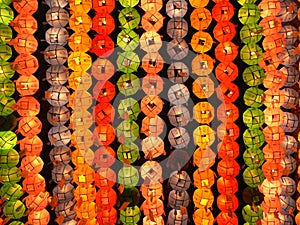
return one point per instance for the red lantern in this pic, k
(104, 157)
(224, 31)
(272, 170)
(273, 152)
(226, 51)
(104, 113)
(104, 92)
(107, 216)
(37, 202)
(32, 146)
(103, 6)
(227, 186)
(228, 150)
(102, 45)
(228, 169)
(29, 126)
(104, 134)
(106, 198)
(103, 24)
(226, 71)
(34, 184)
(227, 203)
(228, 91)
(223, 11)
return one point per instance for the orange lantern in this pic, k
(106, 198)
(107, 216)
(226, 71)
(103, 24)
(85, 193)
(227, 218)
(104, 157)
(37, 202)
(24, 24)
(152, 126)
(104, 134)
(226, 51)
(81, 5)
(104, 113)
(204, 178)
(270, 25)
(228, 149)
(152, 21)
(152, 84)
(41, 217)
(105, 178)
(104, 92)
(202, 216)
(80, 42)
(151, 105)
(223, 11)
(227, 112)
(152, 62)
(228, 169)
(32, 146)
(102, 69)
(200, 18)
(103, 6)
(81, 157)
(203, 198)
(80, 22)
(153, 207)
(204, 158)
(86, 210)
(32, 165)
(273, 152)
(228, 131)
(153, 190)
(224, 31)
(269, 8)
(228, 91)
(203, 87)
(27, 85)
(272, 170)
(25, 64)
(34, 184)
(227, 185)
(273, 134)
(25, 44)
(102, 45)
(227, 203)
(29, 126)
(27, 106)
(84, 175)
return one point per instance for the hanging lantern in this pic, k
(204, 158)
(272, 171)
(59, 136)
(179, 199)
(251, 215)
(151, 105)
(29, 126)
(152, 21)
(225, 218)
(128, 84)
(129, 108)
(175, 216)
(8, 139)
(153, 207)
(153, 6)
(227, 112)
(10, 175)
(249, 13)
(250, 33)
(152, 63)
(6, 14)
(105, 178)
(82, 157)
(288, 204)
(9, 158)
(203, 87)
(178, 94)
(200, 18)
(104, 92)
(27, 85)
(37, 202)
(201, 42)
(14, 209)
(25, 64)
(226, 51)
(58, 116)
(129, 18)
(202, 216)
(153, 190)
(228, 169)
(130, 215)
(55, 54)
(253, 75)
(228, 149)
(102, 69)
(128, 151)
(153, 147)
(204, 178)
(104, 113)
(7, 88)
(227, 203)
(152, 84)
(32, 164)
(128, 176)
(34, 184)
(64, 193)
(62, 171)
(103, 24)
(80, 22)
(253, 137)
(253, 157)
(226, 72)
(288, 185)
(67, 209)
(203, 112)
(84, 175)
(179, 181)
(104, 157)
(32, 146)
(86, 210)
(270, 188)
(177, 49)
(251, 54)
(291, 98)
(79, 42)
(179, 116)
(11, 191)
(179, 137)
(60, 154)
(253, 118)
(152, 171)
(106, 198)
(253, 97)
(27, 106)
(5, 52)
(81, 99)
(227, 185)
(150, 42)
(289, 163)
(178, 72)
(203, 135)
(6, 70)
(203, 198)
(127, 131)
(108, 216)
(25, 44)
(152, 126)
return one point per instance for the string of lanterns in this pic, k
(179, 115)
(11, 191)
(226, 72)
(103, 112)
(253, 117)
(203, 88)
(128, 108)
(58, 114)
(151, 106)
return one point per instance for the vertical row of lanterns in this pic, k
(128, 108)
(58, 114)
(81, 119)
(11, 191)
(151, 106)
(253, 117)
(29, 124)
(103, 112)
(203, 88)
(179, 115)
(226, 72)
(289, 57)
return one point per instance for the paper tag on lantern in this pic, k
(124, 205)
(47, 94)
(121, 188)
(81, 179)
(183, 210)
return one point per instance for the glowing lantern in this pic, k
(64, 193)
(8, 139)
(228, 169)
(81, 99)
(6, 14)
(57, 17)
(80, 22)
(227, 203)
(250, 33)
(5, 33)
(225, 218)
(226, 51)
(25, 44)
(249, 13)
(289, 143)
(253, 176)
(153, 207)
(290, 122)
(106, 198)
(56, 3)
(272, 171)
(289, 33)
(58, 116)
(128, 84)
(25, 64)
(178, 72)
(129, 108)
(37, 202)
(152, 63)
(32, 164)
(29, 126)
(129, 18)
(57, 95)
(102, 69)
(104, 92)
(152, 84)
(272, 188)
(104, 157)
(177, 49)
(128, 151)
(152, 171)
(270, 25)
(56, 35)
(6, 70)
(14, 209)
(227, 112)
(8, 158)
(81, 157)
(86, 210)
(201, 42)
(82, 139)
(150, 42)
(202, 216)
(175, 216)
(153, 6)
(179, 137)
(226, 72)
(288, 185)
(6, 105)
(10, 175)
(269, 8)
(291, 98)
(179, 115)
(152, 126)
(254, 137)
(79, 61)
(227, 186)
(153, 146)
(80, 42)
(107, 216)
(253, 157)
(287, 204)
(27, 85)
(203, 135)
(59, 135)
(228, 149)
(130, 215)
(127, 131)
(128, 176)
(84, 175)
(151, 105)
(251, 215)
(81, 120)
(203, 112)
(105, 178)
(251, 54)
(179, 199)
(7, 88)
(104, 113)
(34, 184)
(67, 209)
(103, 6)
(152, 21)
(179, 181)
(102, 45)
(178, 94)
(203, 87)
(82, 5)
(253, 97)
(204, 178)
(62, 171)
(203, 198)
(253, 118)
(103, 24)
(200, 18)
(60, 154)
(27, 106)
(127, 40)
(289, 163)
(273, 134)
(11, 191)
(32, 146)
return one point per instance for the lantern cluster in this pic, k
(203, 88)
(103, 112)
(128, 108)
(28, 108)
(226, 72)
(58, 114)
(178, 114)
(151, 106)
(11, 191)
(253, 117)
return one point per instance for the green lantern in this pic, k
(129, 3)
(253, 137)
(128, 40)
(128, 176)
(8, 122)
(249, 13)
(6, 2)
(129, 108)
(128, 84)
(14, 209)
(253, 157)
(251, 33)
(16, 223)
(130, 215)
(129, 18)
(253, 118)
(250, 215)
(253, 97)
(5, 52)
(8, 139)
(5, 70)
(10, 176)
(253, 75)
(128, 62)
(9, 158)
(7, 87)
(128, 131)
(128, 151)
(253, 176)
(6, 14)
(243, 2)
(11, 191)
(251, 54)
(6, 104)
(5, 33)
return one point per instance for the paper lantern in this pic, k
(57, 95)
(59, 135)
(84, 175)
(253, 97)
(152, 63)
(6, 14)
(251, 54)
(175, 8)
(60, 154)
(27, 106)
(56, 3)
(62, 171)
(201, 42)
(227, 203)
(29, 126)
(104, 157)
(152, 126)
(251, 215)
(203, 135)
(200, 18)
(226, 51)
(39, 217)
(202, 216)
(179, 116)
(153, 6)
(55, 54)
(127, 131)
(130, 215)
(249, 13)
(291, 98)
(7, 87)
(202, 65)
(103, 24)
(27, 85)
(57, 35)
(64, 193)
(151, 105)
(82, 139)
(24, 44)
(32, 164)
(178, 94)
(80, 42)
(269, 8)
(129, 18)
(179, 199)
(27, 7)
(253, 157)
(8, 139)
(105, 178)
(152, 21)
(86, 210)
(106, 198)
(178, 72)
(273, 152)
(227, 112)
(129, 108)
(127, 40)
(102, 69)
(203, 198)
(67, 209)
(227, 185)
(153, 190)
(10, 175)
(204, 158)
(130, 195)
(289, 163)
(104, 113)
(203, 112)
(270, 25)
(226, 72)
(80, 22)
(175, 216)
(79, 61)
(151, 171)
(177, 28)
(11, 191)
(6, 70)
(81, 120)
(271, 189)
(272, 171)
(179, 181)
(128, 151)
(289, 143)
(150, 42)
(286, 13)
(82, 5)
(289, 32)
(250, 33)
(81, 99)
(128, 84)
(32, 146)
(104, 92)
(128, 176)
(228, 169)
(25, 64)
(285, 218)
(287, 204)
(253, 137)
(82, 157)
(9, 158)
(225, 218)
(253, 118)
(37, 202)
(154, 207)
(177, 49)
(34, 184)
(6, 106)
(153, 146)
(14, 209)
(288, 185)
(152, 84)
(102, 45)
(107, 216)
(57, 17)
(5, 33)
(179, 137)
(228, 149)
(203, 178)
(58, 116)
